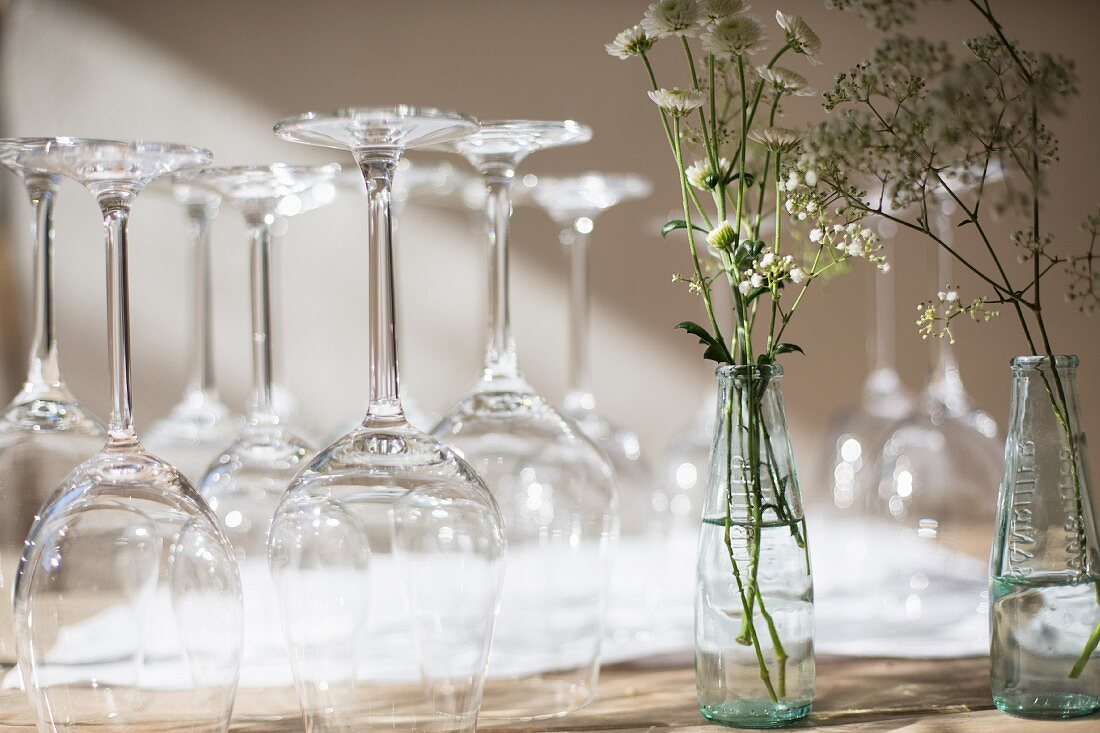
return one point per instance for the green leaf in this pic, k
(746, 251)
(964, 222)
(787, 348)
(680, 224)
(716, 350)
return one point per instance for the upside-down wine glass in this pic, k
(44, 431)
(247, 480)
(127, 599)
(387, 549)
(200, 425)
(936, 484)
(574, 203)
(554, 487)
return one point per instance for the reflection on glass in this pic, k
(387, 549)
(127, 599)
(200, 425)
(44, 431)
(554, 487)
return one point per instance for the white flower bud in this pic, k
(722, 237)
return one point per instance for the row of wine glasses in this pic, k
(140, 598)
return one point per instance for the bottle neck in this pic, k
(752, 467)
(1046, 523)
(385, 398)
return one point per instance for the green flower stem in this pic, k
(691, 232)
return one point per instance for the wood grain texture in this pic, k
(859, 695)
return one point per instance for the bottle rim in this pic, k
(1033, 362)
(770, 371)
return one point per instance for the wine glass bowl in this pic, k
(127, 599)
(387, 548)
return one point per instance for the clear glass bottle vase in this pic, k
(1045, 567)
(754, 603)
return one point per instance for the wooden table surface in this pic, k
(864, 695)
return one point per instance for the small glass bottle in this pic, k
(754, 603)
(1045, 569)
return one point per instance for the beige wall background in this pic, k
(218, 73)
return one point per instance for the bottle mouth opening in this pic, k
(770, 371)
(1036, 363)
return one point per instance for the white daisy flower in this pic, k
(735, 36)
(785, 81)
(634, 41)
(800, 35)
(777, 139)
(673, 18)
(677, 102)
(715, 10)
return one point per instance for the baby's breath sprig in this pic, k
(914, 130)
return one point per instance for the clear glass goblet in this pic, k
(200, 425)
(127, 599)
(554, 486)
(935, 490)
(44, 431)
(574, 203)
(387, 549)
(247, 480)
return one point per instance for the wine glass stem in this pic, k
(201, 376)
(884, 346)
(44, 371)
(262, 404)
(385, 400)
(500, 356)
(116, 216)
(945, 367)
(579, 396)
